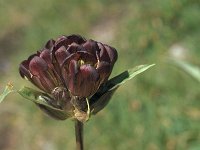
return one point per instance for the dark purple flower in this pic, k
(70, 66)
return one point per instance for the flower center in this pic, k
(82, 62)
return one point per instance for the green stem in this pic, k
(79, 135)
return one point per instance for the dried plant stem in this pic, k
(79, 135)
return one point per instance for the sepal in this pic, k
(43, 101)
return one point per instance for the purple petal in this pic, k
(71, 76)
(73, 67)
(61, 41)
(89, 72)
(39, 68)
(67, 40)
(103, 53)
(74, 38)
(37, 65)
(104, 69)
(84, 83)
(73, 48)
(80, 55)
(50, 44)
(46, 55)
(91, 47)
(112, 53)
(24, 72)
(66, 62)
(36, 81)
(23, 69)
(87, 57)
(61, 54)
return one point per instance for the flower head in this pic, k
(69, 67)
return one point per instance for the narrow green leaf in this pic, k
(8, 89)
(99, 100)
(192, 70)
(41, 100)
(127, 75)
(33, 95)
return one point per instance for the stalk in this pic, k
(79, 135)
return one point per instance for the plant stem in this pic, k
(79, 135)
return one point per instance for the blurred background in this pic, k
(158, 110)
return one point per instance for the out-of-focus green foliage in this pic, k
(192, 70)
(158, 110)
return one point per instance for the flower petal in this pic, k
(76, 39)
(91, 47)
(112, 53)
(36, 81)
(80, 55)
(50, 44)
(61, 41)
(24, 69)
(104, 69)
(46, 55)
(103, 56)
(24, 72)
(83, 83)
(87, 57)
(61, 54)
(39, 68)
(67, 40)
(73, 48)
(37, 65)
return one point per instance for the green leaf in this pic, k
(34, 96)
(8, 89)
(192, 70)
(99, 100)
(42, 100)
(126, 75)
